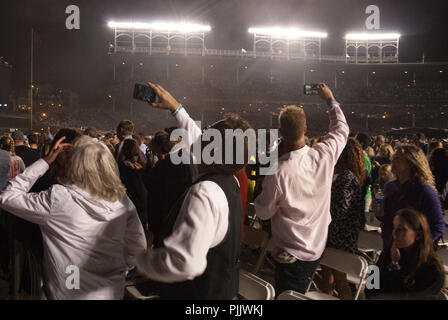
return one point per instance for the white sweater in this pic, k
(100, 238)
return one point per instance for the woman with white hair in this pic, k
(90, 228)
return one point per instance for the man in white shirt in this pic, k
(200, 254)
(297, 197)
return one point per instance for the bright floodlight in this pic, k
(291, 33)
(372, 36)
(160, 26)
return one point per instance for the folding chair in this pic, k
(137, 295)
(353, 265)
(311, 295)
(370, 241)
(292, 295)
(254, 288)
(258, 239)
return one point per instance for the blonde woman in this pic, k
(413, 189)
(17, 165)
(385, 154)
(91, 230)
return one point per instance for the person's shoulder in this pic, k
(390, 186)
(16, 158)
(4, 155)
(426, 188)
(209, 191)
(208, 187)
(433, 267)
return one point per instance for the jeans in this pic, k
(294, 276)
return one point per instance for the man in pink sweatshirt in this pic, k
(297, 196)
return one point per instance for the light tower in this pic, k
(158, 37)
(372, 47)
(287, 43)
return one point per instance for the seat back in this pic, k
(292, 295)
(351, 264)
(370, 240)
(254, 288)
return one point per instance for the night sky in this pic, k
(77, 59)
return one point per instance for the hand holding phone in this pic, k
(325, 92)
(144, 93)
(164, 99)
(310, 89)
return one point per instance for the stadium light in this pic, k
(372, 36)
(160, 26)
(290, 33)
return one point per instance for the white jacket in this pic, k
(101, 239)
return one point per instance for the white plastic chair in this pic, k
(353, 265)
(311, 295)
(317, 295)
(370, 241)
(292, 295)
(136, 294)
(254, 288)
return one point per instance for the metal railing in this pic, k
(222, 52)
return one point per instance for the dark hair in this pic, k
(130, 151)
(422, 251)
(161, 142)
(234, 122)
(125, 127)
(7, 144)
(439, 166)
(33, 138)
(170, 130)
(91, 132)
(352, 159)
(58, 168)
(363, 139)
(139, 138)
(420, 136)
(109, 135)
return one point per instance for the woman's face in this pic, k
(403, 235)
(400, 167)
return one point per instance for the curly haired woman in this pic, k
(347, 213)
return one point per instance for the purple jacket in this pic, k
(411, 195)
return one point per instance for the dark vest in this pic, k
(220, 279)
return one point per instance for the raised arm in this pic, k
(33, 207)
(167, 102)
(336, 138)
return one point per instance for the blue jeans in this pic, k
(294, 276)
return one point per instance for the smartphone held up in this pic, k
(310, 89)
(144, 93)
